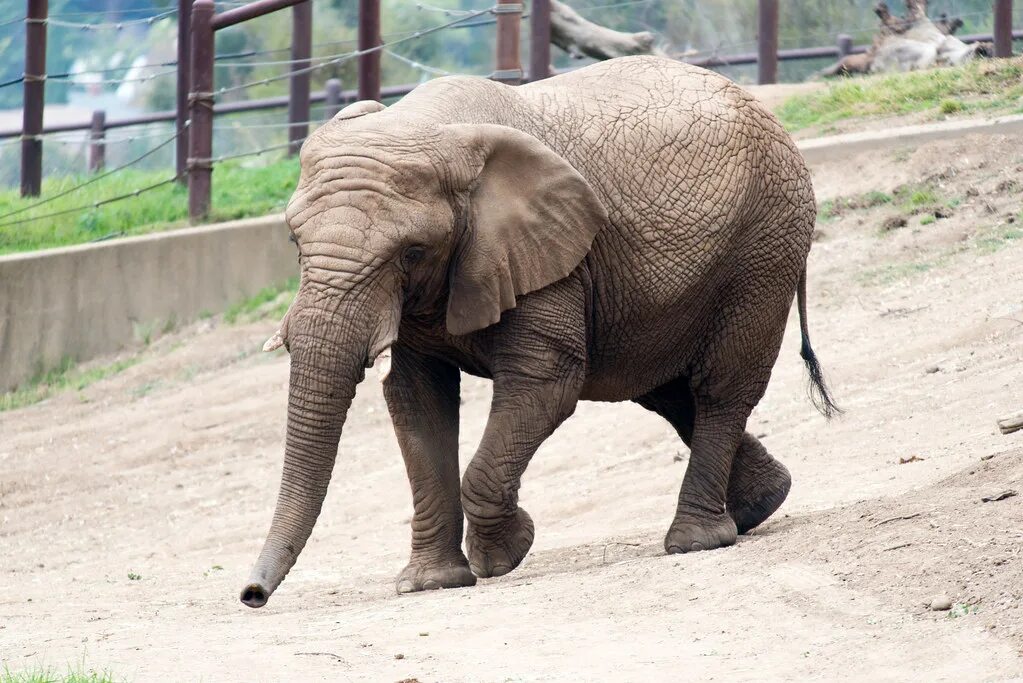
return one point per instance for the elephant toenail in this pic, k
(696, 546)
(430, 585)
(405, 586)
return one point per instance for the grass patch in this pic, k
(995, 85)
(833, 208)
(67, 375)
(893, 272)
(920, 197)
(238, 192)
(993, 240)
(999, 239)
(51, 676)
(916, 198)
(269, 302)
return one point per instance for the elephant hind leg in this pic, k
(757, 486)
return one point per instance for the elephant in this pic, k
(634, 230)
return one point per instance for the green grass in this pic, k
(49, 675)
(270, 302)
(238, 192)
(980, 86)
(987, 242)
(998, 239)
(893, 272)
(833, 208)
(65, 376)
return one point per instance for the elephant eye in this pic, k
(413, 255)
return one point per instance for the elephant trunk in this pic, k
(324, 374)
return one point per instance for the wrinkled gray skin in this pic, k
(634, 230)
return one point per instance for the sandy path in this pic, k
(168, 471)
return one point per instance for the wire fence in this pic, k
(258, 131)
(93, 179)
(135, 73)
(333, 60)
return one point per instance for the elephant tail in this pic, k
(818, 390)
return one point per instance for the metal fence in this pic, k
(197, 95)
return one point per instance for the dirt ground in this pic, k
(130, 512)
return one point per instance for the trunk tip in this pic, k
(254, 595)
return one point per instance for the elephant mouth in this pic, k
(254, 595)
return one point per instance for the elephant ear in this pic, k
(360, 108)
(531, 220)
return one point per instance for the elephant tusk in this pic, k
(382, 364)
(275, 342)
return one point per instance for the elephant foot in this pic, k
(699, 531)
(495, 550)
(756, 490)
(424, 575)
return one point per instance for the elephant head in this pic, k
(397, 215)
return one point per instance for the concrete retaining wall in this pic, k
(84, 301)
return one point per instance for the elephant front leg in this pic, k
(523, 414)
(422, 396)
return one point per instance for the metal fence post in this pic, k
(200, 109)
(1003, 28)
(184, 69)
(332, 99)
(767, 41)
(845, 45)
(298, 93)
(509, 66)
(369, 37)
(34, 98)
(97, 148)
(540, 40)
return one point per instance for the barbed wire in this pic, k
(447, 11)
(93, 13)
(99, 26)
(418, 65)
(116, 81)
(338, 59)
(617, 4)
(96, 178)
(82, 136)
(278, 62)
(68, 78)
(253, 153)
(247, 126)
(86, 207)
